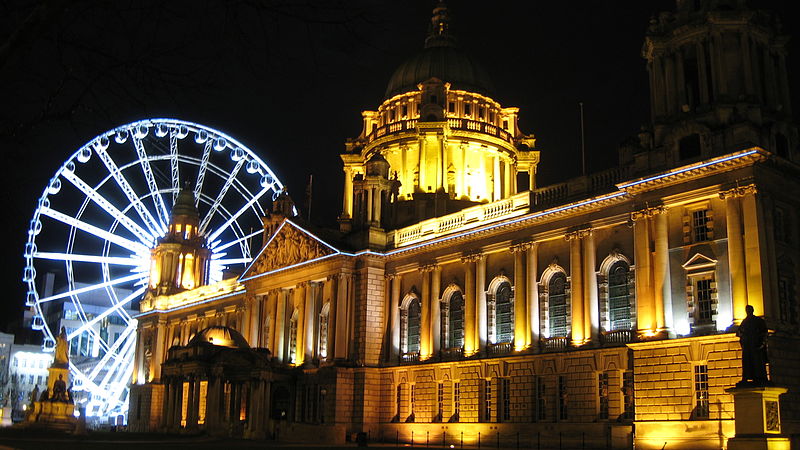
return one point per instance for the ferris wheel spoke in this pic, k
(107, 312)
(113, 260)
(227, 262)
(125, 339)
(236, 241)
(135, 247)
(217, 201)
(238, 213)
(144, 213)
(144, 161)
(109, 356)
(126, 221)
(201, 172)
(112, 282)
(173, 152)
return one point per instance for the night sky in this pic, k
(289, 79)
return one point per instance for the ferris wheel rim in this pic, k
(251, 192)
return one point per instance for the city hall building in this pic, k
(460, 301)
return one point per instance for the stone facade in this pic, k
(563, 315)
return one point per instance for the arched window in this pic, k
(500, 311)
(787, 298)
(455, 321)
(410, 326)
(619, 301)
(557, 305)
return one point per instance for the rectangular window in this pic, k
(700, 225)
(602, 394)
(399, 400)
(505, 124)
(391, 115)
(541, 412)
(451, 107)
(440, 400)
(628, 393)
(467, 109)
(487, 400)
(456, 400)
(413, 400)
(701, 391)
(481, 112)
(404, 111)
(562, 398)
(703, 291)
(506, 391)
(491, 116)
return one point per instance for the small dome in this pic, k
(441, 58)
(220, 336)
(447, 63)
(378, 166)
(185, 204)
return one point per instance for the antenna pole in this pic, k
(583, 143)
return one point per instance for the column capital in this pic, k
(648, 212)
(472, 257)
(578, 234)
(738, 191)
(429, 267)
(391, 275)
(520, 247)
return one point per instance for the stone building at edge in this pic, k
(460, 299)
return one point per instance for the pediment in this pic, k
(699, 261)
(288, 246)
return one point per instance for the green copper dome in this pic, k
(184, 204)
(441, 58)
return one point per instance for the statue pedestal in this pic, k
(758, 418)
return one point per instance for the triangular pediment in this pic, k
(699, 261)
(289, 246)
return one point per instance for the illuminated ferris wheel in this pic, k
(97, 220)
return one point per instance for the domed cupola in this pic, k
(438, 143)
(180, 260)
(441, 59)
(221, 337)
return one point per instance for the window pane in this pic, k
(456, 319)
(557, 304)
(505, 311)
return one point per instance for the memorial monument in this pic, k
(54, 408)
(755, 399)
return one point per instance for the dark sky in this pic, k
(290, 79)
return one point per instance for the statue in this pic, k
(62, 350)
(35, 394)
(59, 390)
(752, 334)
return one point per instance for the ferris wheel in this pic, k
(97, 220)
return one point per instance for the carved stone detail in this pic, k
(739, 191)
(289, 247)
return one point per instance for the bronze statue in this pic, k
(59, 390)
(752, 334)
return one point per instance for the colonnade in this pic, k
(216, 403)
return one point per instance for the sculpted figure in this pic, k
(62, 350)
(753, 338)
(59, 389)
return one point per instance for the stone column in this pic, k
(736, 256)
(496, 177)
(347, 207)
(280, 326)
(300, 306)
(254, 310)
(533, 296)
(482, 327)
(436, 314)
(662, 285)
(394, 312)
(378, 200)
(369, 205)
(645, 310)
(753, 250)
(139, 377)
(520, 297)
(342, 345)
(576, 288)
(330, 284)
(165, 403)
(310, 320)
(591, 310)
(469, 306)
(158, 348)
(425, 348)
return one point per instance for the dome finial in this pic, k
(439, 33)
